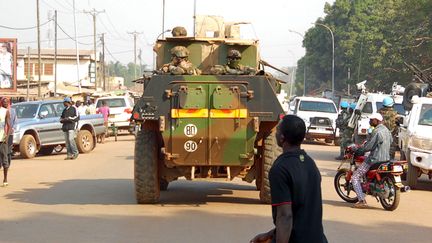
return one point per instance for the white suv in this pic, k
(120, 110)
(320, 116)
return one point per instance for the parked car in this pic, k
(120, 110)
(38, 130)
(415, 139)
(320, 116)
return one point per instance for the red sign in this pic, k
(8, 64)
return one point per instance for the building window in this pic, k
(48, 69)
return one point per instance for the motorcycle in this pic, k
(382, 181)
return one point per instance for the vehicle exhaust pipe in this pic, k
(405, 189)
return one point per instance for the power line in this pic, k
(70, 37)
(115, 59)
(114, 28)
(23, 28)
(30, 42)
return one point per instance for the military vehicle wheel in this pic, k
(84, 141)
(147, 184)
(270, 152)
(47, 150)
(163, 184)
(28, 146)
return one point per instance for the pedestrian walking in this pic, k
(91, 108)
(295, 187)
(105, 111)
(81, 108)
(69, 118)
(4, 134)
(13, 122)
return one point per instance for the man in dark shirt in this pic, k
(295, 184)
(69, 118)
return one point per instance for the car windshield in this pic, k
(26, 110)
(398, 108)
(112, 103)
(426, 115)
(317, 106)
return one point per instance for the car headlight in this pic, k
(421, 143)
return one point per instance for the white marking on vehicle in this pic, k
(190, 146)
(190, 130)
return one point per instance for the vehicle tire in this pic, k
(270, 152)
(390, 205)
(412, 174)
(337, 142)
(28, 146)
(84, 141)
(47, 150)
(403, 157)
(163, 184)
(58, 148)
(146, 175)
(341, 188)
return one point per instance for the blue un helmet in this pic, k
(353, 105)
(344, 105)
(388, 102)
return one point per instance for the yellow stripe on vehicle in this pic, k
(225, 113)
(189, 113)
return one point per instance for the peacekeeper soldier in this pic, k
(179, 31)
(342, 125)
(180, 65)
(233, 67)
(390, 116)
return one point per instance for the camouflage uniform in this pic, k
(345, 131)
(232, 67)
(180, 65)
(390, 116)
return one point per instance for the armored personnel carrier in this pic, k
(206, 126)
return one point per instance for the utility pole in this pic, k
(349, 80)
(76, 47)
(39, 48)
(55, 53)
(135, 33)
(28, 72)
(93, 13)
(103, 62)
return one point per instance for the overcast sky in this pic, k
(271, 21)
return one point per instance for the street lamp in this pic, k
(154, 56)
(333, 62)
(304, 64)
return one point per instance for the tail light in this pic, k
(136, 115)
(128, 110)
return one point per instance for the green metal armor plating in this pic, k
(205, 126)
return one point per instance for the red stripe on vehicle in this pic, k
(282, 203)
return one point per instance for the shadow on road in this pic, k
(121, 192)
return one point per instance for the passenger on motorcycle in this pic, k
(379, 147)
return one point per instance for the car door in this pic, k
(58, 136)
(47, 119)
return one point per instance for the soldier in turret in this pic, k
(179, 31)
(180, 65)
(233, 67)
(390, 117)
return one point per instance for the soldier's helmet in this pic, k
(180, 51)
(388, 102)
(179, 31)
(234, 54)
(344, 105)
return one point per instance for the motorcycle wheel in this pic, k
(344, 188)
(392, 201)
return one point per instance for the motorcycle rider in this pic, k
(390, 116)
(342, 124)
(379, 147)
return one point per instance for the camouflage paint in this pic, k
(219, 141)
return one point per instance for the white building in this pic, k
(66, 67)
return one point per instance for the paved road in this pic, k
(92, 200)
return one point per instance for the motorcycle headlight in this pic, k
(421, 143)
